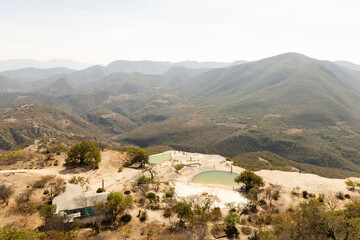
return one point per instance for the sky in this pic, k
(101, 31)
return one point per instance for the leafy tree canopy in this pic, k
(250, 180)
(83, 154)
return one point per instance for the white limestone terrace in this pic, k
(199, 163)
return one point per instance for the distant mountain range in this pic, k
(13, 64)
(301, 109)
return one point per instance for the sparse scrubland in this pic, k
(147, 207)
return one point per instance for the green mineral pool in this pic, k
(216, 177)
(159, 158)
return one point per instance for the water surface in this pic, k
(216, 177)
(159, 158)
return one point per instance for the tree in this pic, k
(117, 203)
(184, 211)
(140, 156)
(83, 154)
(25, 205)
(231, 220)
(5, 193)
(250, 180)
(47, 211)
(55, 186)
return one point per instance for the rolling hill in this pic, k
(10, 85)
(20, 125)
(300, 108)
(34, 74)
(291, 107)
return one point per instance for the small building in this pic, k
(74, 204)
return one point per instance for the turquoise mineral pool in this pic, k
(159, 158)
(216, 177)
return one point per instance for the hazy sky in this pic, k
(205, 30)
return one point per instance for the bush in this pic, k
(268, 219)
(12, 157)
(144, 180)
(151, 196)
(5, 193)
(170, 193)
(76, 180)
(41, 183)
(246, 230)
(305, 194)
(167, 212)
(262, 203)
(56, 148)
(321, 197)
(100, 190)
(125, 218)
(143, 216)
(56, 163)
(83, 154)
(127, 192)
(178, 167)
(276, 195)
(120, 169)
(295, 192)
(340, 195)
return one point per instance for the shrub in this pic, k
(151, 196)
(120, 169)
(262, 203)
(246, 230)
(76, 180)
(144, 180)
(41, 183)
(56, 148)
(321, 197)
(167, 212)
(295, 192)
(12, 157)
(127, 192)
(143, 216)
(56, 163)
(170, 193)
(276, 195)
(100, 190)
(178, 167)
(305, 194)
(339, 195)
(125, 218)
(5, 193)
(268, 219)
